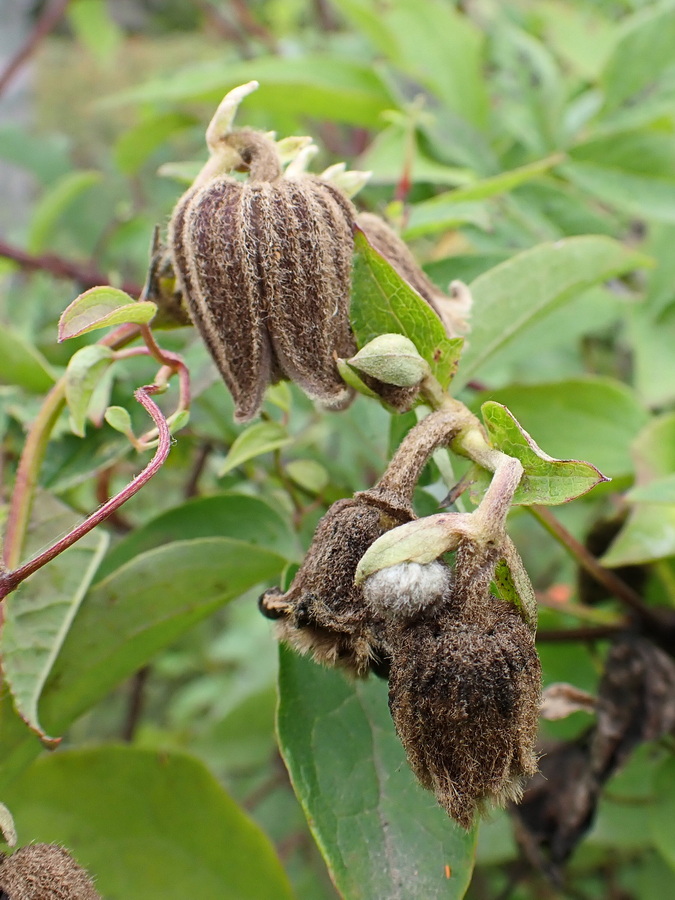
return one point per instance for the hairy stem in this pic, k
(33, 454)
(10, 580)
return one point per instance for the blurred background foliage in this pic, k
(490, 128)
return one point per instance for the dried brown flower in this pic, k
(324, 611)
(265, 268)
(44, 872)
(464, 694)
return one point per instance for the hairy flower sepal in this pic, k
(264, 266)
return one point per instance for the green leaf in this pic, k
(227, 515)
(135, 146)
(545, 480)
(142, 607)
(53, 205)
(308, 474)
(101, 307)
(649, 532)
(85, 369)
(118, 418)
(430, 218)
(641, 56)
(497, 184)
(147, 824)
(322, 86)
(443, 49)
(383, 303)
(394, 149)
(22, 364)
(661, 490)
(588, 418)
(263, 437)
(523, 289)
(384, 834)
(662, 810)
(646, 196)
(95, 28)
(514, 585)
(38, 616)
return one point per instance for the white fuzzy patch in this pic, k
(406, 589)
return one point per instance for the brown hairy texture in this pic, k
(323, 612)
(464, 696)
(264, 267)
(452, 311)
(44, 872)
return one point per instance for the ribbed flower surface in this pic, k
(265, 269)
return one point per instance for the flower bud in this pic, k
(392, 359)
(44, 872)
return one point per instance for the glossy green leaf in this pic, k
(22, 364)
(54, 203)
(147, 824)
(522, 290)
(641, 56)
(545, 480)
(380, 833)
(262, 437)
(227, 515)
(649, 532)
(383, 303)
(101, 307)
(85, 369)
(588, 418)
(142, 607)
(38, 616)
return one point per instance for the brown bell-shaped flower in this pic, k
(264, 266)
(44, 872)
(464, 693)
(324, 612)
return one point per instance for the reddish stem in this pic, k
(87, 276)
(10, 580)
(50, 18)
